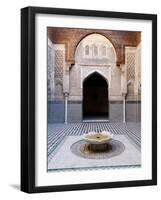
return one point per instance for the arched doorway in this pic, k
(95, 97)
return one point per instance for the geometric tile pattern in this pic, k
(57, 132)
(69, 154)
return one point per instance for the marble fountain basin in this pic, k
(98, 141)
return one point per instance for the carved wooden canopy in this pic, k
(72, 36)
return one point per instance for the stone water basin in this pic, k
(98, 141)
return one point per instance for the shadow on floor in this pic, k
(15, 186)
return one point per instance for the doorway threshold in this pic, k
(95, 120)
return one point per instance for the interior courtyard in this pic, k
(94, 85)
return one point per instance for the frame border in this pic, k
(28, 98)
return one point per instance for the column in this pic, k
(124, 107)
(66, 94)
(124, 89)
(66, 91)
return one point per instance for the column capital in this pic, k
(124, 94)
(66, 94)
(68, 66)
(122, 68)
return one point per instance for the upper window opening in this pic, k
(87, 50)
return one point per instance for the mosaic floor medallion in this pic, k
(83, 149)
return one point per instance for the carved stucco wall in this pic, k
(95, 49)
(64, 77)
(59, 54)
(138, 69)
(51, 71)
(104, 64)
(70, 39)
(132, 59)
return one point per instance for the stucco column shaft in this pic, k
(66, 107)
(124, 108)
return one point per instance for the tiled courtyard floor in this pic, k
(58, 132)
